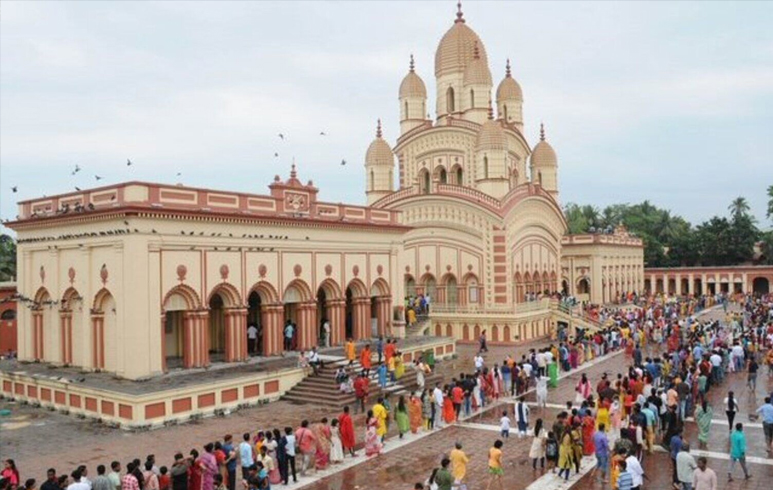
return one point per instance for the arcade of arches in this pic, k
(709, 280)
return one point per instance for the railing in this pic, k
(531, 306)
(395, 196)
(468, 192)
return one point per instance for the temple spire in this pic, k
(490, 110)
(410, 65)
(293, 173)
(507, 68)
(541, 131)
(459, 13)
(378, 128)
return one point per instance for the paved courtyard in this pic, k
(40, 439)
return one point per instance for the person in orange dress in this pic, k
(449, 414)
(365, 361)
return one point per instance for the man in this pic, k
(128, 482)
(314, 361)
(737, 452)
(326, 331)
(685, 466)
(114, 475)
(230, 460)
(246, 455)
(601, 443)
(79, 484)
(443, 477)
(179, 472)
(437, 395)
(252, 338)
(459, 462)
(52, 482)
(346, 428)
(766, 412)
(361, 386)
(674, 446)
(380, 347)
(521, 412)
(478, 361)
(288, 331)
(704, 478)
(624, 479)
(636, 471)
(101, 482)
(290, 449)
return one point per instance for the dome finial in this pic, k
(490, 110)
(541, 131)
(459, 14)
(410, 65)
(507, 68)
(476, 51)
(378, 128)
(293, 173)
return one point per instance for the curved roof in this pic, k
(508, 88)
(543, 155)
(491, 136)
(477, 71)
(379, 152)
(413, 86)
(457, 48)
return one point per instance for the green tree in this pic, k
(713, 238)
(7, 258)
(575, 219)
(739, 207)
(770, 202)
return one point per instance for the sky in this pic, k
(666, 101)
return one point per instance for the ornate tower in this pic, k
(476, 88)
(413, 100)
(544, 165)
(510, 100)
(491, 158)
(379, 168)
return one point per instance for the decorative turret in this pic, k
(510, 100)
(544, 165)
(379, 168)
(413, 100)
(476, 88)
(491, 157)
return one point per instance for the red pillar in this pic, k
(271, 318)
(189, 341)
(336, 314)
(163, 342)
(65, 326)
(235, 334)
(361, 322)
(308, 332)
(37, 335)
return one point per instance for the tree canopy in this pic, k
(7, 258)
(671, 241)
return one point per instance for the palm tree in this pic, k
(7, 258)
(739, 207)
(666, 226)
(770, 201)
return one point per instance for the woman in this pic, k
(208, 467)
(537, 450)
(449, 414)
(565, 455)
(372, 440)
(274, 476)
(322, 432)
(583, 388)
(731, 408)
(576, 434)
(195, 471)
(616, 418)
(615, 467)
(336, 447)
(703, 416)
(10, 474)
(588, 429)
(427, 410)
(415, 413)
(399, 365)
(401, 417)
(602, 414)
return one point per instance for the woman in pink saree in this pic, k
(372, 440)
(324, 440)
(209, 467)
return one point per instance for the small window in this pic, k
(485, 167)
(472, 98)
(443, 176)
(450, 100)
(406, 110)
(459, 176)
(372, 181)
(8, 315)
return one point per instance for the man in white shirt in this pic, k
(252, 338)
(478, 362)
(541, 363)
(637, 472)
(326, 330)
(437, 394)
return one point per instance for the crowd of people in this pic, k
(675, 361)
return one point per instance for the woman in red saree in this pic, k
(588, 429)
(195, 472)
(415, 413)
(449, 415)
(346, 427)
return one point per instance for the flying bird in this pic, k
(281, 136)
(14, 189)
(98, 177)
(276, 155)
(322, 133)
(77, 169)
(343, 162)
(128, 163)
(77, 188)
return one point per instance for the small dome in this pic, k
(477, 72)
(492, 135)
(412, 85)
(543, 155)
(379, 152)
(508, 88)
(456, 48)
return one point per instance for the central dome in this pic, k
(457, 49)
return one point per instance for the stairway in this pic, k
(322, 389)
(420, 328)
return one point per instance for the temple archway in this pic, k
(71, 319)
(104, 332)
(331, 308)
(184, 342)
(761, 285)
(358, 314)
(300, 309)
(45, 338)
(267, 314)
(583, 286)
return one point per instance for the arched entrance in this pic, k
(103, 332)
(45, 338)
(358, 314)
(410, 286)
(300, 309)
(331, 307)
(71, 318)
(761, 285)
(267, 313)
(451, 290)
(380, 308)
(227, 325)
(256, 345)
(184, 339)
(216, 330)
(565, 287)
(583, 286)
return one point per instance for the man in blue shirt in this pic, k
(674, 446)
(230, 455)
(624, 479)
(601, 443)
(737, 452)
(766, 412)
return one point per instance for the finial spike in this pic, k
(541, 131)
(476, 51)
(490, 110)
(507, 68)
(411, 63)
(459, 14)
(378, 129)
(293, 173)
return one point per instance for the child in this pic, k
(551, 451)
(164, 481)
(504, 425)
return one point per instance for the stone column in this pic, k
(163, 343)
(336, 315)
(704, 284)
(235, 334)
(691, 285)
(746, 286)
(383, 314)
(65, 325)
(361, 323)
(98, 340)
(271, 318)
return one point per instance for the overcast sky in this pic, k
(666, 101)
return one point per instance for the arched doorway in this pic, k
(565, 287)
(761, 285)
(380, 308)
(358, 315)
(410, 286)
(105, 354)
(45, 338)
(424, 181)
(583, 286)
(184, 341)
(227, 325)
(267, 313)
(430, 287)
(216, 330)
(452, 291)
(71, 318)
(331, 309)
